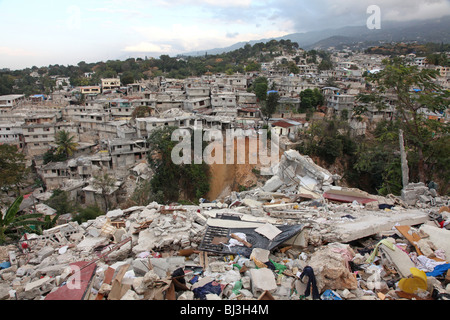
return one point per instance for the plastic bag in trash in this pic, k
(330, 295)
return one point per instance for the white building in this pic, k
(7, 102)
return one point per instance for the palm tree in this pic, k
(65, 143)
(10, 223)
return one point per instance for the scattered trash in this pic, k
(298, 237)
(417, 282)
(330, 295)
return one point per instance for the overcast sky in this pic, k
(65, 32)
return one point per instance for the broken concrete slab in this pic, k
(399, 259)
(372, 223)
(140, 266)
(45, 252)
(164, 267)
(114, 214)
(252, 203)
(273, 184)
(262, 279)
(440, 237)
(348, 195)
(89, 243)
(260, 254)
(302, 170)
(37, 283)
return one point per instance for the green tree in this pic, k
(259, 87)
(310, 99)
(13, 170)
(270, 106)
(438, 59)
(293, 67)
(325, 64)
(52, 156)
(414, 91)
(253, 66)
(66, 144)
(88, 213)
(171, 180)
(59, 200)
(11, 224)
(127, 78)
(195, 179)
(6, 84)
(328, 139)
(378, 160)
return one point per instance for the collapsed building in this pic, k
(299, 236)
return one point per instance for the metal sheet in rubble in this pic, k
(257, 240)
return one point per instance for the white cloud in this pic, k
(228, 3)
(415, 10)
(148, 47)
(396, 10)
(211, 3)
(122, 11)
(185, 38)
(15, 52)
(324, 14)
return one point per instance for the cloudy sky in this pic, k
(65, 31)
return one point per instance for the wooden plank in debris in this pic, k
(284, 249)
(219, 240)
(165, 210)
(117, 289)
(170, 292)
(266, 295)
(109, 274)
(186, 252)
(118, 224)
(247, 244)
(411, 296)
(412, 238)
(203, 259)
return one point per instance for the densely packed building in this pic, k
(110, 135)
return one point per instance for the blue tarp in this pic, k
(439, 270)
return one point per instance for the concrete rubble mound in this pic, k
(299, 236)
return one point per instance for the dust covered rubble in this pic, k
(165, 241)
(343, 251)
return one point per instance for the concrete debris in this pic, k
(293, 239)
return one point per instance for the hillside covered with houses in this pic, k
(109, 109)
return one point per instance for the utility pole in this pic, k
(405, 170)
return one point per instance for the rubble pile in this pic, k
(297, 237)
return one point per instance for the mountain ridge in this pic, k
(431, 30)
